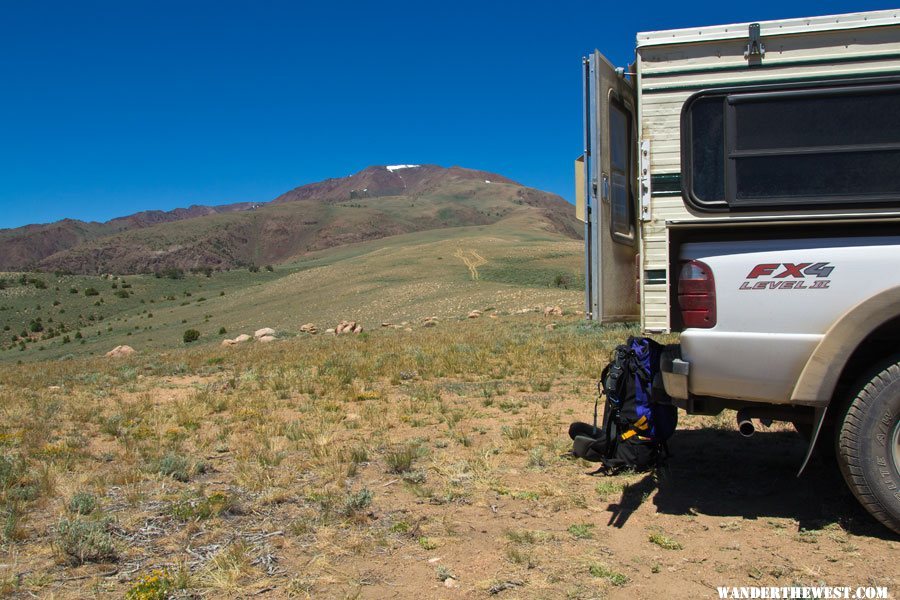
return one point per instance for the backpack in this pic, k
(638, 417)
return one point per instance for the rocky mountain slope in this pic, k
(374, 203)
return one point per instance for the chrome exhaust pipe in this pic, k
(745, 423)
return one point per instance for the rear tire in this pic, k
(868, 442)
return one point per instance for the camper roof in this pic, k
(876, 18)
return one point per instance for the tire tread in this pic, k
(850, 436)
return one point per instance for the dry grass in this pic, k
(330, 466)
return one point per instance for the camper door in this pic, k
(606, 200)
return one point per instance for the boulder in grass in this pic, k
(309, 328)
(266, 339)
(348, 327)
(474, 314)
(264, 332)
(229, 342)
(242, 338)
(553, 311)
(120, 351)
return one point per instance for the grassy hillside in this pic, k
(369, 205)
(399, 279)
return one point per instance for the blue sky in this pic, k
(112, 107)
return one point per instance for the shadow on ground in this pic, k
(719, 473)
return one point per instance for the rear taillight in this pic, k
(697, 295)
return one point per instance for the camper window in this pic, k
(619, 189)
(830, 145)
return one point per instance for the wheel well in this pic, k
(878, 345)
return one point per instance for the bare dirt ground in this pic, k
(428, 464)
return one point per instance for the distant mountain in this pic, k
(25, 247)
(376, 202)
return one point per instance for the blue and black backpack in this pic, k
(638, 418)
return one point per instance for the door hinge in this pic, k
(755, 47)
(644, 179)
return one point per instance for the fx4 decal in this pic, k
(785, 276)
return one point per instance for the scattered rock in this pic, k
(550, 326)
(54, 388)
(429, 321)
(433, 560)
(309, 328)
(266, 339)
(553, 310)
(242, 338)
(348, 327)
(494, 316)
(330, 330)
(229, 342)
(263, 332)
(120, 351)
(451, 583)
(474, 314)
(387, 324)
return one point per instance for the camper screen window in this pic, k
(619, 196)
(825, 146)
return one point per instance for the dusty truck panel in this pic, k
(743, 179)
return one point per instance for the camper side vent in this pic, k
(755, 48)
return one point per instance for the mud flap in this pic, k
(818, 419)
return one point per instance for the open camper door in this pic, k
(606, 195)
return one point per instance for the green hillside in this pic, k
(402, 278)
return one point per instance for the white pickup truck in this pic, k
(741, 185)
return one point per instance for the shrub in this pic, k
(12, 469)
(82, 503)
(604, 572)
(400, 460)
(156, 585)
(177, 467)
(222, 331)
(665, 542)
(123, 294)
(200, 507)
(270, 268)
(73, 290)
(191, 335)
(84, 541)
(357, 502)
(36, 326)
(581, 531)
(91, 292)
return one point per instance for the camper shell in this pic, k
(635, 184)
